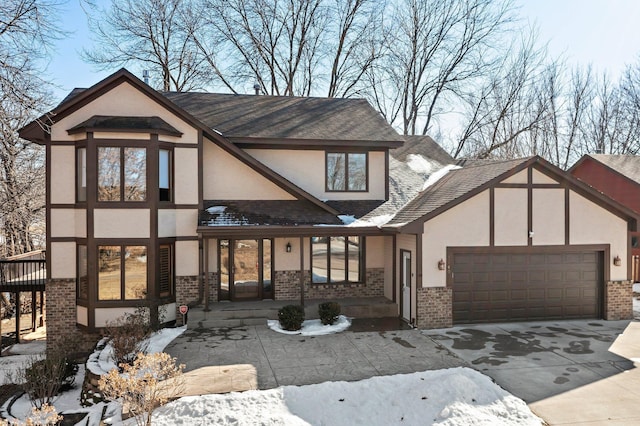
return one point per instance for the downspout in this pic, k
(302, 271)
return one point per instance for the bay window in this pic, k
(122, 272)
(122, 174)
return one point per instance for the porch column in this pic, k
(17, 316)
(302, 271)
(206, 275)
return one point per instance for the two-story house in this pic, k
(162, 199)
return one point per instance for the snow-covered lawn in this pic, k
(457, 396)
(313, 327)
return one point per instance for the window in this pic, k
(346, 171)
(336, 259)
(122, 272)
(82, 282)
(165, 277)
(122, 174)
(81, 174)
(164, 179)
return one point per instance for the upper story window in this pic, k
(81, 174)
(346, 171)
(164, 177)
(122, 174)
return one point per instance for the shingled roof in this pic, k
(627, 165)
(455, 184)
(286, 117)
(424, 146)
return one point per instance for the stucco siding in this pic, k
(306, 169)
(186, 258)
(121, 223)
(63, 260)
(466, 224)
(284, 261)
(68, 223)
(227, 178)
(123, 100)
(166, 223)
(63, 181)
(186, 175)
(510, 217)
(520, 177)
(548, 216)
(539, 177)
(591, 224)
(375, 252)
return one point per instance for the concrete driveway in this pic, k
(281, 359)
(569, 372)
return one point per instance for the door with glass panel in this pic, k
(245, 269)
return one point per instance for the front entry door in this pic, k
(245, 270)
(405, 280)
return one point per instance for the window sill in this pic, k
(339, 284)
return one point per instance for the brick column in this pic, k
(435, 307)
(618, 301)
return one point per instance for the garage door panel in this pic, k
(526, 286)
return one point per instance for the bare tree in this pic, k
(436, 48)
(150, 34)
(27, 30)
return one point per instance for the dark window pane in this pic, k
(165, 278)
(135, 174)
(83, 282)
(108, 174)
(353, 257)
(135, 272)
(336, 171)
(319, 259)
(337, 259)
(634, 242)
(109, 273)
(357, 172)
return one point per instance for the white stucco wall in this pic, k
(123, 100)
(466, 224)
(375, 252)
(291, 261)
(82, 315)
(185, 175)
(307, 169)
(511, 216)
(63, 260)
(520, 177)
(591, 224)
(539, 177)
(68, 223)
(63, 178)
(186, 258)
(227, 178)
(548, 216)
(121, 223)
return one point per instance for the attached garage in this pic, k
(512, 284)
(517, 240)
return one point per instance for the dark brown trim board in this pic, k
(567, 216)
(529, 206)
(492, 217)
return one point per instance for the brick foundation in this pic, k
(435, 307)
(618, 302)
(61, 317)
(287, 286)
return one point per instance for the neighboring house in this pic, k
(617, 176)
(162, 199)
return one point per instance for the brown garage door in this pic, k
(513, 286)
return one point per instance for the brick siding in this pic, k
(287, 286)
(187, 293)
(435, 307)
(618, 300)
(61, 317)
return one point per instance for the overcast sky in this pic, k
(605, 33)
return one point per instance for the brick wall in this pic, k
(61, 317)
(186, 293)
(435, 307)
(287, 286)
(618, 303)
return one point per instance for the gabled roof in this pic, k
(326, 120)
(461, 184)
(37, 130)
(454, 185)
(626, 165)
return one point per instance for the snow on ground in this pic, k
(313, 327)
(457, 396)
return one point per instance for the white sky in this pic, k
(605, 33)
